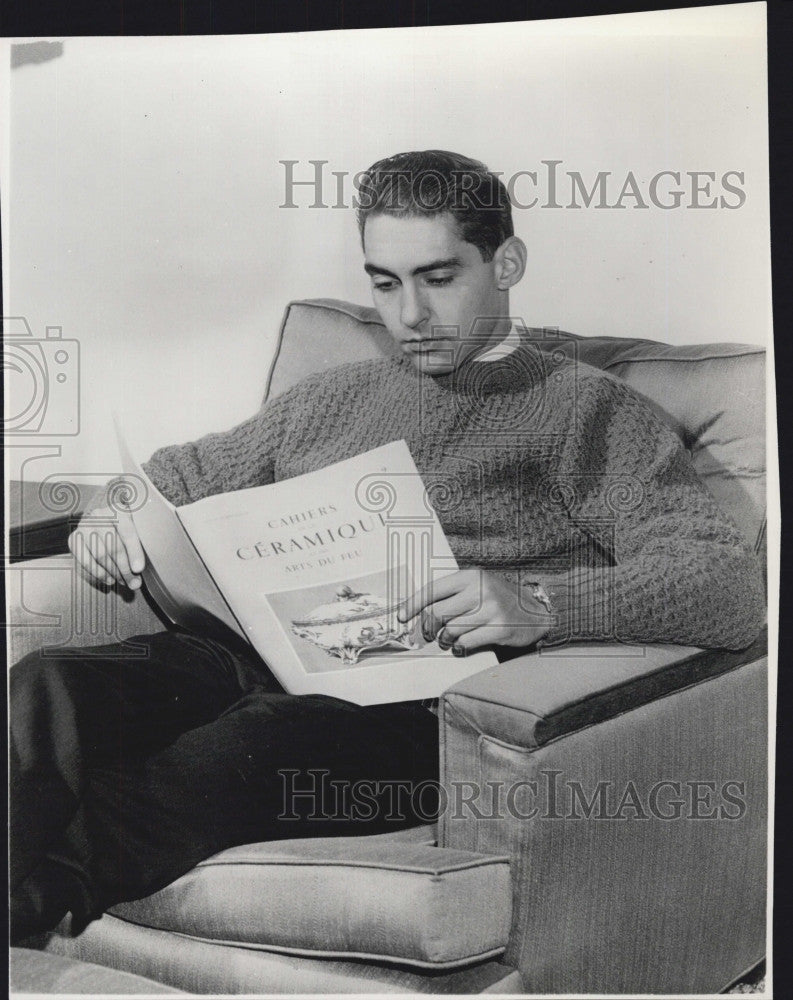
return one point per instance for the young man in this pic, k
(573, 512)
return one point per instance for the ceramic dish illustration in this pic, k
(352, 624)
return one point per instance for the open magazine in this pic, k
(310, 571)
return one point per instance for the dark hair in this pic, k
(434, 181)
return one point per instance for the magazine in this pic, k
(311, 571)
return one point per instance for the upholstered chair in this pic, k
(670, 899)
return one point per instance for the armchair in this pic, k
(604, 829)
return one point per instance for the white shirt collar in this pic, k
(504, 347)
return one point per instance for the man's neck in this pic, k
(505, 344)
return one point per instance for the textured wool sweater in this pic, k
(539, 469)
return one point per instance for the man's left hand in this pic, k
(472, 608)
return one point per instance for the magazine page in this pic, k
(174, 574)
(315, 567)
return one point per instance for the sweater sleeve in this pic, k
(652, 556)
(248, 454)
(220, 462)
(243, 456)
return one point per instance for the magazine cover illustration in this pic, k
(351, 622)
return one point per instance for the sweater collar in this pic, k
(519, 367)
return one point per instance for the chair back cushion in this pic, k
(712, 395)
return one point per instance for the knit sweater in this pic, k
(539, 469)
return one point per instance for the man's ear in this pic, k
(510, 262)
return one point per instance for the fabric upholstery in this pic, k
(394, 898)
(637, 904)
(712, 395)
(199, 967)
(716, 393)
(50, 604)
(37, 972)
(533, 699)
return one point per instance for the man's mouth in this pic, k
(426, 344)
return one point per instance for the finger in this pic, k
(430, 626)
(91, 570)
(452, 630)
(88, 566)
(97, 545)
(435, 615)
(460, 609)
(129, 534)
(118, 553)
(436, 590)
(477, 638)
(116, 549)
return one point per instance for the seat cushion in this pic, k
(390, 897)
(712, 395)
(39, 972)
(219, 969)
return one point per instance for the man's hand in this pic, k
(113, 560)
(473, 608)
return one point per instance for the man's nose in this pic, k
(413, 308)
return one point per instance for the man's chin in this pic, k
(436, 362)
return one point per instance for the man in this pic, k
(572, 511)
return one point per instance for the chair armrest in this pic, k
(628, 786)
(544, 695)
(51, 604)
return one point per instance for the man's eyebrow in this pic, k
(439, 265)
(435, 265)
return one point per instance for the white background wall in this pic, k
(141, 211)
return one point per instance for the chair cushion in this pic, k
(712, 395)
(196, 967)
(389, 897)
(39, 972)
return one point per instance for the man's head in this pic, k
(439, 246)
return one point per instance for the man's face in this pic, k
(430, 287)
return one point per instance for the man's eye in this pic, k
(385, 286)
(440, 282)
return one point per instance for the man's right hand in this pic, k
(108, 553)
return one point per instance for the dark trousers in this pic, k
(126, 771)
